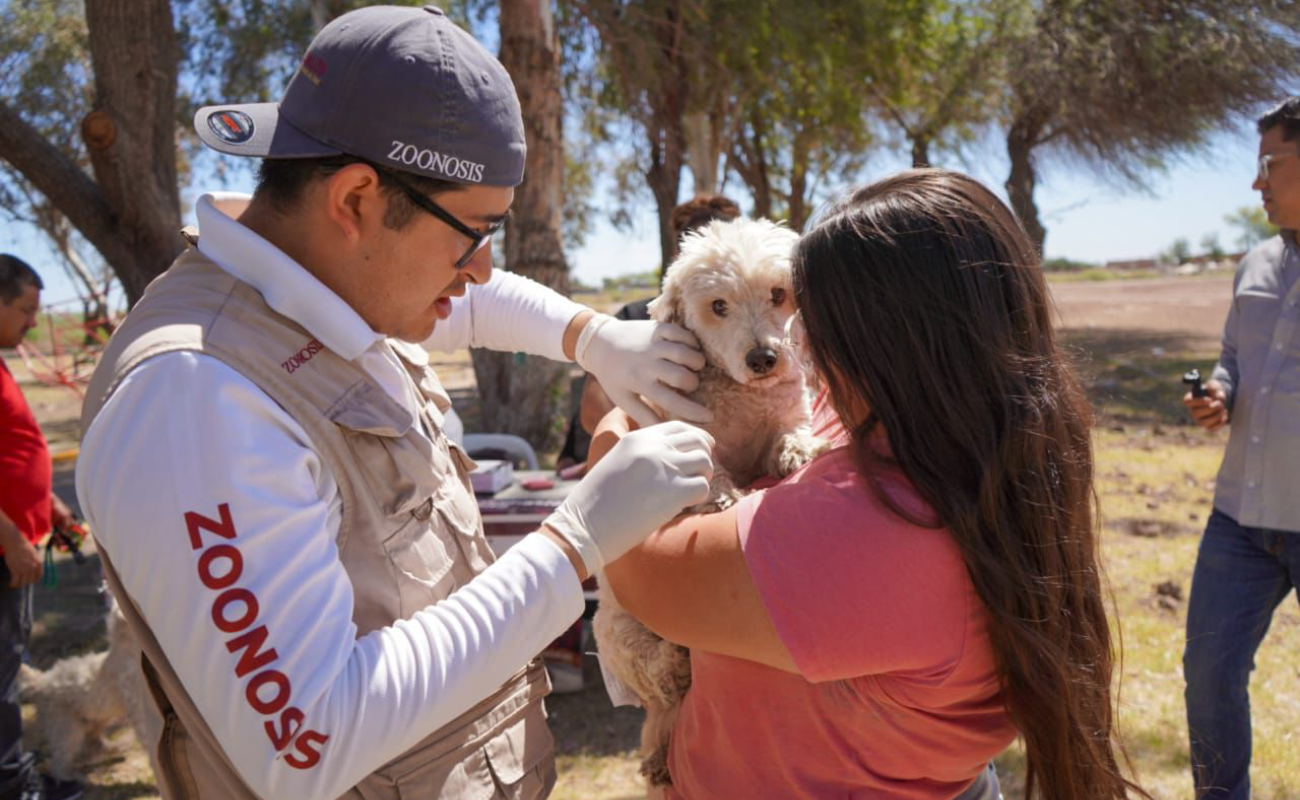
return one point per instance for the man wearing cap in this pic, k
(288, 531)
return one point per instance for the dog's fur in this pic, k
(80, 698)
(760, 426)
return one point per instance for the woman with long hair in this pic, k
(888, 619)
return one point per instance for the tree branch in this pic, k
(58, 178)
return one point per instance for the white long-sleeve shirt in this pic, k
(184, 431)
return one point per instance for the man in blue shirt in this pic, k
(1249, 558)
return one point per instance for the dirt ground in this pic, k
(1192, 307)
(1132, 340)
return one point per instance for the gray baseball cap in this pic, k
(402, 87)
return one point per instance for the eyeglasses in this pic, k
(1265, 160)
(478, 239)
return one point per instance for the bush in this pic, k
(1065, 265)
(636, 280)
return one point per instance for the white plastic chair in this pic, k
(514, 447)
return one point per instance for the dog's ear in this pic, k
(667, 307)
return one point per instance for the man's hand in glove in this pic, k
(635, 359)
(642, 483)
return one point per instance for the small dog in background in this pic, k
(80, 698)
(730, 286)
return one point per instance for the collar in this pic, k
(284, 283)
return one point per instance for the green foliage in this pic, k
(1102, 275)
(1210, 246)
(1253, 223)
(44, 47)
(45, 56)
(794, 79)
(1178, 253)
(793, 98)
(1122, 84)
(246, 50)
(940, 82)
(1065, 265)
(578, 212)
(634, 280)
(779, 87)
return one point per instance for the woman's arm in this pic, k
(689, 582)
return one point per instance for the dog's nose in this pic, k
(760, 360)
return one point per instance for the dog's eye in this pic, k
(778, 296)
(720, 307)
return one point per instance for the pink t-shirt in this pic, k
(899, 693)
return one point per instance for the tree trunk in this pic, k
(748, 159)
(1020, 183)
(920, 151)
(526, 395)
(665, 182)
(702, 148)
(665, 128)
(797, 203)
(135, 54)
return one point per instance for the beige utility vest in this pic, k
(410, 533)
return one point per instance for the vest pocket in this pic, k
(522, 759)
(422, 553)
(517, 763)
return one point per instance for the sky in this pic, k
(1087, 218)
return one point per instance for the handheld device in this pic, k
(1192, 378)
(69, 539)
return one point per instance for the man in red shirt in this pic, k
(27, 508)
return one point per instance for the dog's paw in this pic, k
(654, 767)
(723, 494)
(795, 449)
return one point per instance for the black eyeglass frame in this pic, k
(477, 239)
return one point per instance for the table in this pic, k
(514, 512)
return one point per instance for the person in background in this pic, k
(595, 404)
(28, 509)
(1249, 558)
(886, 620)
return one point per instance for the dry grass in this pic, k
(1154, 480)
(1156, 495)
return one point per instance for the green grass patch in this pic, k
(1137, 378)
(1094, 274)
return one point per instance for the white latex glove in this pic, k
(633, 359)
(642, 483)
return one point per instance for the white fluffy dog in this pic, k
(80, 698)
(730, 286)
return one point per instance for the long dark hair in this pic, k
(927, 314)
